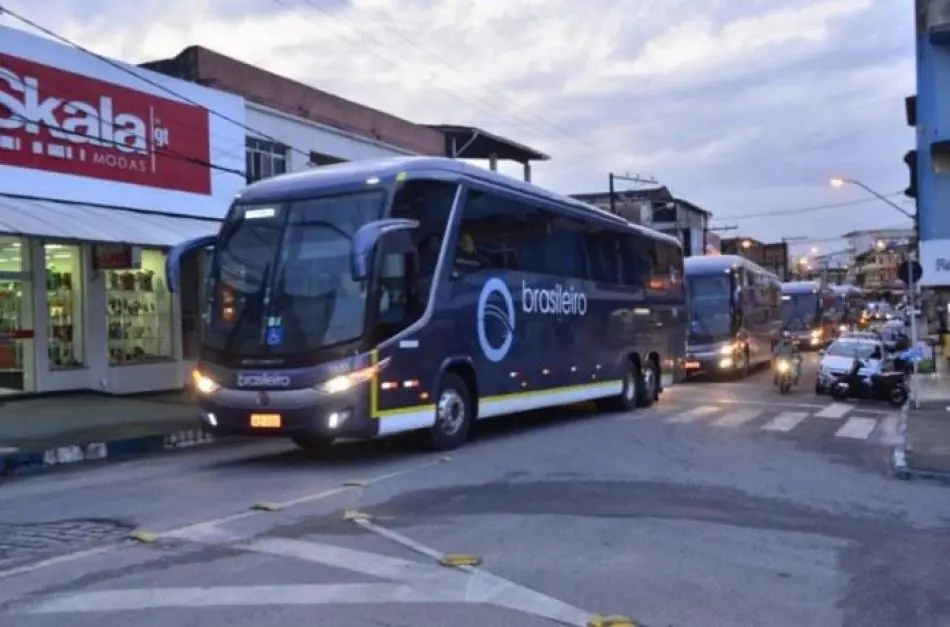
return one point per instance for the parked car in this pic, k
(839, 357)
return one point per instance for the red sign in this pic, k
(57, 121)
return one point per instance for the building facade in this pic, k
(104, 167)
(931, 117)
(658, 209)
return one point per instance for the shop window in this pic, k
(64, 306)
(140, 312)
(16, 317)
(264, 159)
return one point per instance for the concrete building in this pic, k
(858, 242)
(930, 114)
(657, 208)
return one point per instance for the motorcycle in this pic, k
(785, 375)
(880, 386)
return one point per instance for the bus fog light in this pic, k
(337, 418)
(725, 363)
(211, 419)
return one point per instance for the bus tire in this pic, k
(454, 414)
(627, 399)
(312, 442)
(648, 388)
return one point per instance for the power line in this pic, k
(128, 70)
(811, 209)
(368, 17)
(491, 110)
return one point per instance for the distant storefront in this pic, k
(100, 173)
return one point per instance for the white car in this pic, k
(839, 358)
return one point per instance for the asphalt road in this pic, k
(726, 505)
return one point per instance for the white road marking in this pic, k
(417, 582)
(737, 418)
(889, 433)
(692, 415)
(786, 421)
(835, 410)
(207, 530)
(857, 428)
(732, 401)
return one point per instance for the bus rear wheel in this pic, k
(648, 392)
(454, 414)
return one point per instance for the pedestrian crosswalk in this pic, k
(844, 421)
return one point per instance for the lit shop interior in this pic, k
(91, 309)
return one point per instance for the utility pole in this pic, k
(629, 178)
(785, 241)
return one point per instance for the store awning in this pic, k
(91, 223)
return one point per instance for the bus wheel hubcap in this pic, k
(629, 387)
(450, 411)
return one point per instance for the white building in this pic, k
(110, 168)
(859, 242)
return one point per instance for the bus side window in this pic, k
(485, 233)
(408, 259)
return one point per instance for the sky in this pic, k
(746, 108)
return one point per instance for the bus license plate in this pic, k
(265, 421)
(692, 364)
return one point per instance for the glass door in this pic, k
(16, 318)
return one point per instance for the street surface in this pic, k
(727, 505)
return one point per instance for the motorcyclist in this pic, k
(785, 347)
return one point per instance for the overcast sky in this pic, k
(740, 106)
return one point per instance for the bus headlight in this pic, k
(816, 334)
(344, 382)
(728, 349)
(203, 384)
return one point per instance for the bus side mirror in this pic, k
(175, 255)
(365, 240)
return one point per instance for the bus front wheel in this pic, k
(454, 414)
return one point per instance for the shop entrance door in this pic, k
(16, 333)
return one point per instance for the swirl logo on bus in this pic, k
(497, 314)
(496, 310)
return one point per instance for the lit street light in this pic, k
(841, 182)
(746, 244)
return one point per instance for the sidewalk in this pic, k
(927, 428)
(42, 432)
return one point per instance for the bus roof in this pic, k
(801, 287)
(713, 264)
(302, 184)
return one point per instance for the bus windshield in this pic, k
(710, 314)
(280, 281)
(799, 311)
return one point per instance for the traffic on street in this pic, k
(725, 504)
(272, 357)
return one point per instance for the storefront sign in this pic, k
(75, 128)
(116, 257)
(935, 263)
(57, 121)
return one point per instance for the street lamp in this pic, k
(746, 244)
(841, 182)
(911, 256)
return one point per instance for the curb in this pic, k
(14, 463)
(899, 466)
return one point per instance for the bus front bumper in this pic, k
(286, 413)
(699, 361)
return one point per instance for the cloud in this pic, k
(738, 106)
